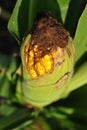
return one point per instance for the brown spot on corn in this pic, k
(68, 51)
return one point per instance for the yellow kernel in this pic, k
(26, 48)
(30, 64)
(53, 53)
(30, 61)
(46, 57)
(31, 54)
(33, 72)
(48, 66)
(26, 58)
(40, 68)
(43, 61)
(35, 48)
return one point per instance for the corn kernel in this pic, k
(33, 72)
(26, 58)
(31, 54)
(48, 66)
(30, 61)
(35, 48)
(26, 48)
(47, 62)
(46, 57)
(53, 53)
(40, 68)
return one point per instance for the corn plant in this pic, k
(45, 89)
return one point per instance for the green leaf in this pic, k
(41, 123)
(61, 116)
(22, 18)
(57, 8)
(79, 78)
(8, 67)
(6, 109)
(75, 108)
(15, 117)
(81, 35)
(5, 87)
(77, 100)
(63, 5)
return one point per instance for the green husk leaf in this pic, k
(22, 18)
(81, 35)
(63, 5)
(79, 78)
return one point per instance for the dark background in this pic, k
(8, 44)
